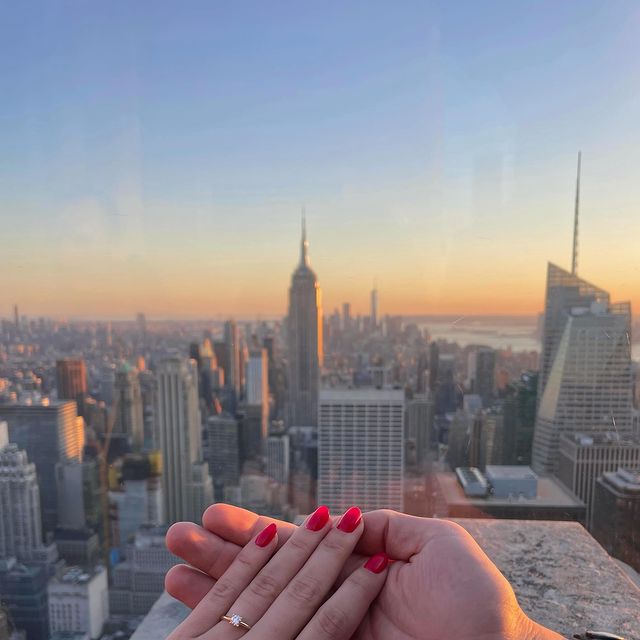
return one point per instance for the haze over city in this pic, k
(434, 148)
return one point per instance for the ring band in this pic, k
(236, 620)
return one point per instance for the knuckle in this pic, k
(332, 622)
(360, 585)
(223, 588)
(338, 543)
(299, 544)
(305, 590)
(265, 587)
(245, 562)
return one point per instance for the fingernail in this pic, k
(377, 563)
(350, 520)
(266, 535)
(318, 519)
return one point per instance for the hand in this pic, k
(280, 597)
(441, 584)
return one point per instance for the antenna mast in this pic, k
(574, 255)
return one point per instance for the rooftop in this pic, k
(550, 494)
(606, 438)
(362, 394)
(510, 472)
(77, 575)
(625, 481)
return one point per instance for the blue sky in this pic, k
(155, 155)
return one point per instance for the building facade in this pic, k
(179, 434)
(23, 592)
(50, 432)
(616, 514)
(482, 373)
(71, 378)
(20, 519)
(589, 384)
(361, 449)
(278, 458)
(129, 419)
(139, 581)
(223, 450)
(79, 601)
(584, 457)
(564, 291)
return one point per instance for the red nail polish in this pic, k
(377, 563)
(350, 520)
(318, 519)
(266, 535)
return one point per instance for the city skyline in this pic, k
(150, 176)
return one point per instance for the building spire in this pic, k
(574, 255)
(304, 245)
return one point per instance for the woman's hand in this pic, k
(441, 584)
(281, 597)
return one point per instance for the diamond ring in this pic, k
(236, 620)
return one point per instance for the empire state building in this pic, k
(304, 331)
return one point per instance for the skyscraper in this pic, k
(140, 502)
(434, 359)
(564, 292)
(256, 409)
(71, 378)
(482, 371)
(50, 432)
(346, 316)
(79, 497)
(232, 363)
(374, 308)
(519, 414)
(179, 434)
(419, 418)
(128, 403)
(361, 449)
(223, 450)
(588, 386)
(304, 331)
(278, 457)
(20, 524)
(257, 378)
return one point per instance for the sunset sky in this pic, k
(155, 156)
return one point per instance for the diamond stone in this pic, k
(236, 620)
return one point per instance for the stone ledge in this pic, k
(563, 579)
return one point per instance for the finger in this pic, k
(298, 602)
(256, 599)
(212, 555)
(400, 536)
(202, 549)
(340, 616)
(232, 583)
(239, 525)
(187, 584)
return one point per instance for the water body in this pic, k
(518, 333)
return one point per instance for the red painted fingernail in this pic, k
(266, 535)
(377, 563)
(318, 518)
(350, 520)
